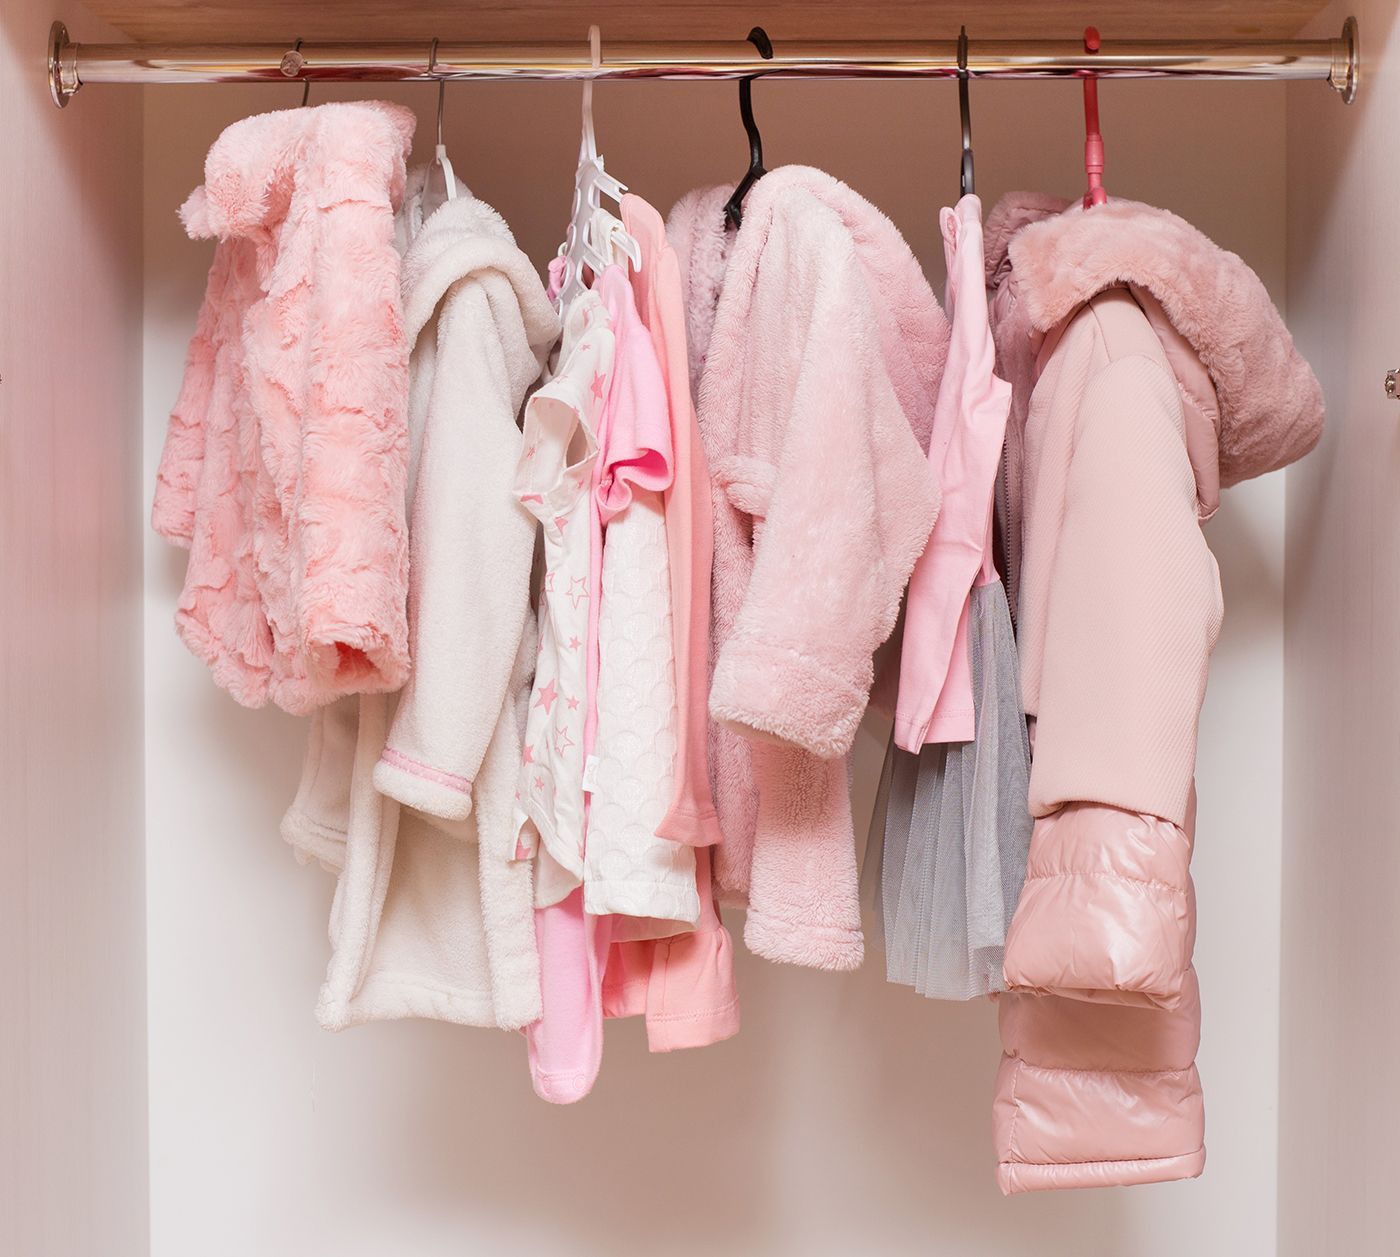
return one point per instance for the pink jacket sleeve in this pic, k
(1105, 927)
(842, 500)
(182, 456)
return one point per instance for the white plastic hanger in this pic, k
(441, 161)
(596, 238)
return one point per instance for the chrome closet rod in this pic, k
(71, 65)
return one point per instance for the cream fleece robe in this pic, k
(432, 916)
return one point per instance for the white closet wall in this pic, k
(1339, 1154)
(72, 920)
(849, 1116)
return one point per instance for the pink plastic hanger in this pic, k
(1093, 141)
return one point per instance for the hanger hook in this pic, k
(965, 114)
(734, 208)
(300, 63)
(595, 57)
(442, 86)
(1093, 137)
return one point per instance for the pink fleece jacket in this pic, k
(285, 466)
(816, 348)
(1119, 311)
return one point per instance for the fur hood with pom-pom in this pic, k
(286, 457)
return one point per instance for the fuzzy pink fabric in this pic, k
(1270, 401)
(816, 351)
(286, 461)
(1101, 315)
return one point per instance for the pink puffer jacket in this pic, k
(1149, 370)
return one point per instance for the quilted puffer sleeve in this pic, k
(1098, 1084)
(1133, 613)
(841, 495)
(472, 545)
(1108, 910)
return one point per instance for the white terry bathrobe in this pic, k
(409, 798)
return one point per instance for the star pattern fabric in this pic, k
(559, 446)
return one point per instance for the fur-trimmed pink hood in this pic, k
(286, 458)
(1270, 403)
(817, 348)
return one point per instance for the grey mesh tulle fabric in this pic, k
(951, 831)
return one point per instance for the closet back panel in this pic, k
(849, 1115)
(72, 928)
(1339, 1156)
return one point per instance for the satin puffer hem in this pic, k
(1059, 1127)
(1014, 1177)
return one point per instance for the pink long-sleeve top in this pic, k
(969, 426)
(689, 531)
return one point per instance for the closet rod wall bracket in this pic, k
(63, 66)
(1336, 61)
(1346, 69)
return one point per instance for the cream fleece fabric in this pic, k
(433, 917)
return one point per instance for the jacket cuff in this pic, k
(1106, 912)
(771, 693)
(1014, 1177)
(418, 785)
(1127, 1127)
(812, 946)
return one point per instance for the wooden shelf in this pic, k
(244, 21)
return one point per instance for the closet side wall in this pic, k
(1339, 1157)
(73, 1169)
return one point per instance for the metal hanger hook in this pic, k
(442, 86)
(299, 67)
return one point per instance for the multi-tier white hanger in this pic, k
(596, 237)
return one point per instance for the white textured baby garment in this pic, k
(645, 881)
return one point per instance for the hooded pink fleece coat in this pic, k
(1149, 368)
(816, 350)
(285, 463)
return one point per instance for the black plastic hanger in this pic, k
(734, 207)
(965, 110)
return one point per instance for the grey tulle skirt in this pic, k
(951, 831)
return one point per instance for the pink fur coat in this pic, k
(816, 352)
(286, 457)
(1149, 368)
